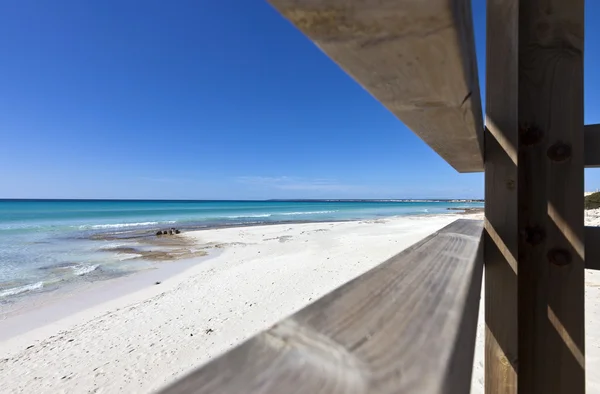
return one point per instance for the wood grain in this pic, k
(592, 145)
(407, 326)
(501, 185)
(551, 244)
(416, 57)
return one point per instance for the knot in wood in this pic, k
(530, 135)
(534, 235)
(559, 151)
(560, 257)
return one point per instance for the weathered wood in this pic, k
(407, 326)
(551, 253)
(501, 141)
(592, 248)
(535, 132)
(416, 57)
(592, 145)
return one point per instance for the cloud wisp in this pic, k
(296, 183)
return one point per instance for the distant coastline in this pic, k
(267, 200)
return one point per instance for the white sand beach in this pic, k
(141, 341)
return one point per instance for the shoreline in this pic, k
(148, 248)
(144, 338)
(33, 310)
(264, 274)
(45, 309)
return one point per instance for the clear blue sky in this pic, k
(205, 100)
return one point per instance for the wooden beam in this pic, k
(407, 326)
(592, 145)
(592, 248)
(416, 57)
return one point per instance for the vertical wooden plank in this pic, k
(534, 208)
(551, 252)
(501, 141)
(591, 146)
(592, 248)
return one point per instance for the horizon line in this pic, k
(246, 200)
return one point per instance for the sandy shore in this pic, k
(140, 341)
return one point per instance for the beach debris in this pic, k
(209, 330)
(157, 283)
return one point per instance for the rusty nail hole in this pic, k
(560, 257)
(559, 151)
(530, 135)
(534, 235)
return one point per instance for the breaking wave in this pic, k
(21, 289)
(83, 269)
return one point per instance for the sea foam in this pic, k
(121, 225)
(21, 289)
(306, 213)
(83, 269)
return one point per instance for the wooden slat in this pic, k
(550, 266)
(592, 145)
(407, 326)
(592, 248)
(416, 57)
(501, 141)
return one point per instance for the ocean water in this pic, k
(47, 243)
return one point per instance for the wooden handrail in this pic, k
(406, 326)
(415, 57)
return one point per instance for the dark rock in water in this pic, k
(177, 231)
(165, 232)
(159, 232)
(170, 232)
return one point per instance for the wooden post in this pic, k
(535, 268)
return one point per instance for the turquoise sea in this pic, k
(47, 243)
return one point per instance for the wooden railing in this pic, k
(409, 325)
(406, 326)
(416, 57)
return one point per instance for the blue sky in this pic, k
(204, 100)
